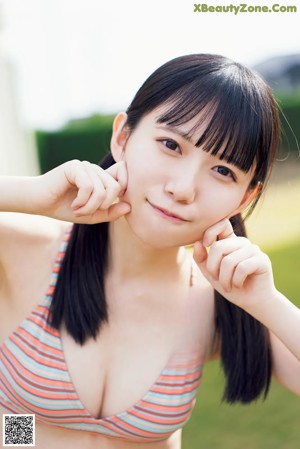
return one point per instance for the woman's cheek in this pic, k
(142, 174)
(135, 190)
(223, 204)
(213, 211)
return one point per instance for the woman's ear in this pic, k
(249, 196)
(119, 137)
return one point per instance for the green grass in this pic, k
(273, 424)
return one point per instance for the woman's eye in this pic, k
(224, 171)
(171, 145)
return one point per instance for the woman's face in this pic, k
(176, 190)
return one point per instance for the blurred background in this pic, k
(67, 66)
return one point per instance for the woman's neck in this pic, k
(131, 258)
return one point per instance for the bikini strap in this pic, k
(58, 261)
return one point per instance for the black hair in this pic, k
(243, 123)
(243, 128)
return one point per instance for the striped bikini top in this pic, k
(34, 379)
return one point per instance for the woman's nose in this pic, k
(182, 190)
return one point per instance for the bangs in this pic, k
(236, 105)
(234, 120)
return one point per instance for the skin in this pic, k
(158, 159)
(151, 170)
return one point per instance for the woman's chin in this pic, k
(157, 238)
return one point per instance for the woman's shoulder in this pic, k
(28, 249)
(203, 300)
(201, 310)
(202, 291)
(24, 232)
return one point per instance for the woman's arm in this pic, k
(18, 194)
(242, 273)
(282, 318)
(76, 191)
(286, 367)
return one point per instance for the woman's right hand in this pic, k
(82, 192)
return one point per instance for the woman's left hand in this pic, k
(242, 273)
(234, 266)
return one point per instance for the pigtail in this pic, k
(245, 346)
(79, 297)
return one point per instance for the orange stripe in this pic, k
(174, 392)
(15, 366)
(31, 346)
(180, 377)
(134, 429)
(156, 407)
(160, 419)
(37, 357)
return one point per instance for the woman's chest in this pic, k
(94, 388)
(142, 372)
(138, 354)
(120, 371)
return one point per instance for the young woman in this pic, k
(117, 317)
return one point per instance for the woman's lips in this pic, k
(165, 213)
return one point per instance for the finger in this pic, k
(77, 175)
(112, 189)
(105, 191)
(230, 264)
(118, 210)
(200, 256)
(222, 230)
(114, 212)
(97, 195)
(221, 249)
(119, 172)
(200, 253)
(258, 265)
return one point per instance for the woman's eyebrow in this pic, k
(175, 130)
(187, 137)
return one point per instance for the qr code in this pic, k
(18, 430)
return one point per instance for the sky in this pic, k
(73, 58)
